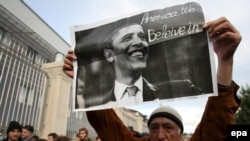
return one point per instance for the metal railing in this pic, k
(23, 87)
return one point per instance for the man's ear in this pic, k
(108, 55)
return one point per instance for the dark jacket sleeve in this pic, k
(219, 112)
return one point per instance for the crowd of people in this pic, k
(17, 132)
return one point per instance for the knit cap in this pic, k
(168, 112)
(14, 125)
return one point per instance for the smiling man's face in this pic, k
(130, 48)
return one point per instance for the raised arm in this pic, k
(226, 39)
(220, 110)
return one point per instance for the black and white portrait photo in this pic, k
(150, 56)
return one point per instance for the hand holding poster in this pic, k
(155, 55)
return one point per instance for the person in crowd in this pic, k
(165, 123)
(52, 136)
(83, 134)
(14, 132)
(36, 137)
(27, 133)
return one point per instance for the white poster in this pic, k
(152, 56)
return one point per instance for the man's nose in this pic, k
(17, 133)
(160, 137)
(161, 134)
(137, 42)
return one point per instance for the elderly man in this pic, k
(165, 123)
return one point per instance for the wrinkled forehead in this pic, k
(161, 119)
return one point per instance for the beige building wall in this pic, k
(57, 108)
(132, 118)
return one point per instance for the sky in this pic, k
(63, 14)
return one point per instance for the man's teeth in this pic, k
(137, 53)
